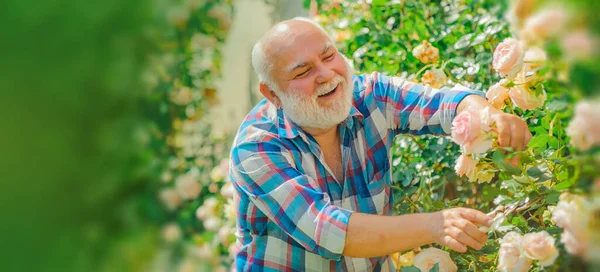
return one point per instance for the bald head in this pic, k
(277, 40)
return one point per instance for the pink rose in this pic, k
(526, 99)
(427, 259)
(584, 129)
(573, 214)
(187, 187)
(540, 246)
(466, 127)
(546, 23)
(508, 57)
(224, 234)
(578, 45)
(480, 145)
(170, 198)
(465, 165)
(574, 246)
(496, 95)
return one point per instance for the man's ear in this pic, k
(269, 94)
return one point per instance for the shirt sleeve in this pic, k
(264, 171)
(408, 107)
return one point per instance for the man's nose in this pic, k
(325, 75)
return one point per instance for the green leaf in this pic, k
(410, 269)
(538, 141)
(435, 268)
(563, 185)
(489, 193)
(557, 105)
(498, 159)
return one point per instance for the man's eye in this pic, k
(303, 73)
(330, 56)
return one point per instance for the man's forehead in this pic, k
(299, 47)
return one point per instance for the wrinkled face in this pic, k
(314, 80)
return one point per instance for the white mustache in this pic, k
(327, 87)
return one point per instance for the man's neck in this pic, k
(323, 136)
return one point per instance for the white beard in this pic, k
(306, 112)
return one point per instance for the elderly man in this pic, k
(310, 163)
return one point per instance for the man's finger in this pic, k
(517, 137)
(477, 217)
(503, 133)
(465, 239)
(474, 232)
(454, 245)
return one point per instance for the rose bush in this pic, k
(522, 55)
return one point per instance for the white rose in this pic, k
(540, 246)
(187, 187)
(212, 223)
(427, 258)
(227, 190)
(170, 198)
(171, 232)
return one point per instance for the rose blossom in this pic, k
(508, 57)
(212, 223)
(466, 127)
(510, 257)
(496, 95)
(436, 78)
(572, 213)
(584, 129)
(426, 53)
(227, 190)
(465, 165)
(187, 187)
(545, 23)
(171, 232)
(483, 174)
(573, 245)
(534, 57)
(427, 259)
(170, 198)
(540, 246)
(578, 45)
(480, 145)
(525, 98)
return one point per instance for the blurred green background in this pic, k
(84, 143)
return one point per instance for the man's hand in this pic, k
(458, 228)
(512, 132)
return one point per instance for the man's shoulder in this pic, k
(259, 125)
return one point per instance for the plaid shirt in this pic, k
(292, 214)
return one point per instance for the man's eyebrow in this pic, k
(326, 48)
(304, 64)
(297, 65)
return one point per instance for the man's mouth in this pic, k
(330, 93)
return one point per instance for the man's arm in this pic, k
(408, 107)
(264, 171)
(377, 235)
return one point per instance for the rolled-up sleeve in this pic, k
(408, 107)
(264, 171)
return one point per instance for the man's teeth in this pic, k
(329, 91)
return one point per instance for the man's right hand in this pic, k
(457, 228)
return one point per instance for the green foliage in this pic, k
(381, 37)
(72, 165)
